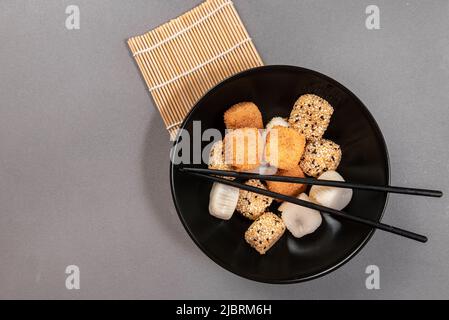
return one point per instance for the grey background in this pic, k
(84, 154)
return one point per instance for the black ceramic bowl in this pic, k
(365, 160)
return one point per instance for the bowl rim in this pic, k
(222, 263)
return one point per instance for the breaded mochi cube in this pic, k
(311, 116)
(243, 148)
(284, 147)
(243, 115)
(286, 188)
(252, 205)
(217, 157)
(265, 232)
(320, 156)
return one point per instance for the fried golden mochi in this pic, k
(286, 188)
(284, 147)
(243, 115)
(243, 148)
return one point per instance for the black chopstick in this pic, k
(377, 225)
(312, 181)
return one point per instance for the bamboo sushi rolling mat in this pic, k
(184, 58)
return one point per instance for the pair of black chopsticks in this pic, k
(212, 175)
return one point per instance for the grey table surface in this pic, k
(84, 154)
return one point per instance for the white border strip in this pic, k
(183, 30)
(200, 65)
(173, 125)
